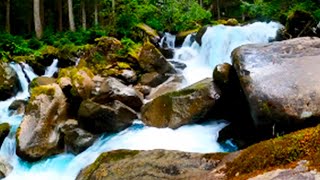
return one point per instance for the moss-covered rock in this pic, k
(97, 118)
(4, 131)
(151, 60)
(148, 33)
(40, 81)
(9, 82)
(152, 79)
(155, 164)
(181, 107)
(18, 107)
(38, 135)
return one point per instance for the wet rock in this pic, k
(155, 164)
(167, 52)
(200, 33)
(97, 118)
(39, 81)
(9, 85)
(76, 139)
(38, 135)
(151, 60)
(181, 36)
(181, 107)
(172, 84)
(5, 168)
(280, 82)
(152, 79)
(18, 107)
(129, 76)
(145, 90)
(112, 89)
(178, 65)
(4, 131)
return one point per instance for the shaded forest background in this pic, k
(28, 25)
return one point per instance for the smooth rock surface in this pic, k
(181, 107)
(281, 81)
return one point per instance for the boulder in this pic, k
(5, 168)
(148, 33)
(76, 139)
(151, 60)
(129, 76)
(9, 85)
(152, 79)
(145, 90)
(112, 89)
(38, 135)
(4, 131)
(280, 82)
(181, 107)
(39, 81)
(97, 118)
(155, 164)
(18, 107)
(200, 33)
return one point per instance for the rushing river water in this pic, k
(217, 44)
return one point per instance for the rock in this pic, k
(39, 81)
(5, 168)
(182, 107)
(200, 33)
(300, 23)
(151, 60)
(280, 82)
(168, 53)
(151, 33)
(4, 131)
(129, 76)
(155, 164)
(178, 65)
(38, 135)
(153, 79)
(97, 118)
(9, 85)
(76, 139)
(232, 106)
(145, 90)
(18, 107)
(112, 89)
(232, 22)
(172, 84)
(181, 36)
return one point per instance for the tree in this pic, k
(8, 16)
(59, 8)
(83, 13)
(218, 9)
(71, 17)
(37, 18)
(96, 22)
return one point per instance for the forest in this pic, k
(29, 25)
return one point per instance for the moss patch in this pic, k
(279, 152)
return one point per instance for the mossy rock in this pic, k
(4, 131)
(9, 85)
(39, 81)
(283, 151)
(181, 107)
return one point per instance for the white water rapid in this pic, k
(217, 44)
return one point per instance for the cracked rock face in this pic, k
(281, 81)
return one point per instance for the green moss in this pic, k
(278, 152)
(46, 89)
(123, 65)
(106, 158)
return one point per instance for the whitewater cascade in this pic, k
(217, 44)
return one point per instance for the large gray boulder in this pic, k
(185, 106)
(280, 81)
(38, 135)
(5, 168)
(97, 118)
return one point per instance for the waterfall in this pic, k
(168, 40)
(53, 68)
(217, 44)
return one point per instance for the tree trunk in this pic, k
(60, 26)
(37, 19)
(113, 6)
(96, 13)
(8, 16)
(42, 12)
(83, 12)
(218, 9)
(71, 18)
